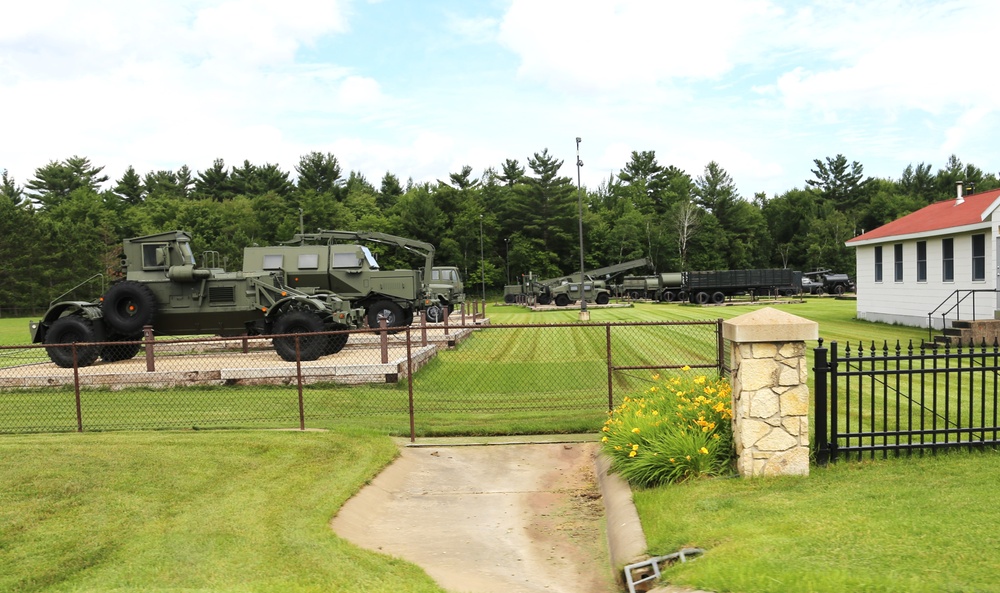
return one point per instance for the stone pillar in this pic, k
(770, 393)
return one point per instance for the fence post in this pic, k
(147, 337)
(821, 444)
(423, 325)
(383, 332)
(770, 391)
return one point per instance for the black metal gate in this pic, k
(886, 399)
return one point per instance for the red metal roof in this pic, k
(938, 216)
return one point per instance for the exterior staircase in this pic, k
(966, 332)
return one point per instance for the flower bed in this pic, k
(680, 428)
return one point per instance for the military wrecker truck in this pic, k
(321, 262)
(165, 288)
(567, 290)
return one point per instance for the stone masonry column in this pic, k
(770, 393)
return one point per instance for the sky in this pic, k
(422, 88)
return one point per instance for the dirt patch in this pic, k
(502, 518)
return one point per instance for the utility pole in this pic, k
(584, 314)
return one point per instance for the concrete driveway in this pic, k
(494, 518)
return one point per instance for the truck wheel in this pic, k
(718, 298)
(819, 292)
(67, 330)
(543, 299)
(508, 298)
(702, 298)
(667, 296)
(388, 310)
(434, 314)
(123, 351)
(839, 289)
(682, 295)
(297, 321)
(562, 300)
(602, 298)
(128, 306)
(336, 342)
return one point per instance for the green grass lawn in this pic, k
(898, 525)
(249, 510)
(197, 511)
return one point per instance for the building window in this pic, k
(921, 261)
(897, 251)
(948, 260)
(878, 263)
(979, 257)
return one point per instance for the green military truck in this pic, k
(566, 290)
(321, 262)
(447, 290)
(165, 288)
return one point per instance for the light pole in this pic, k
(584, 314)
(482, 259)
(506, 243)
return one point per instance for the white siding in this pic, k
(908, 302)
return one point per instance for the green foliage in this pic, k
(526, 218)
(677, 430)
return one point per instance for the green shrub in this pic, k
(678, 429)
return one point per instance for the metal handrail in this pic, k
(960, 295)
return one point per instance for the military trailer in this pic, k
(715, 286)
(164, 287)
(321, 262)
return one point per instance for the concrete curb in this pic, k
(626, 540)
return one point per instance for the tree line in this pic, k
(67, 223)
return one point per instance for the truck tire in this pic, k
(122, 351)
(388, 310)
(682, 295)
(667, 296)
(67, 330)
(839, 289)
(819, 292)
(297, 321)
(702, 298)
(128, 306)
(543, 299)
(335, 342)
(562, 300)
(718, 298)
(508, 298)
(602, 299)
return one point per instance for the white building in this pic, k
(940, 260)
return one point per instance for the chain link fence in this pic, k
(423, 379)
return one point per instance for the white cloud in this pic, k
(602, 44)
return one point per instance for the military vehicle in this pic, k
(665, 287)
(320, 262)
(714, 286)
(566, 290)
(165, 288)
(827, 282)
(447, 289)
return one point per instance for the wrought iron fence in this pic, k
(429, 377)
(883, 400)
